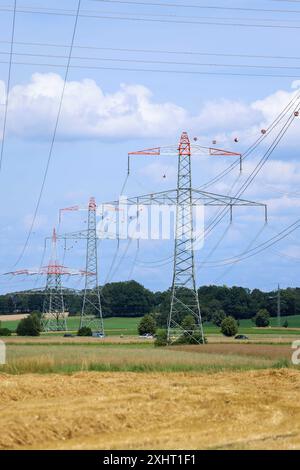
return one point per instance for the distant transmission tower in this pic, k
(184, 294)
(184, 270)
(91, 314)
(54, 316)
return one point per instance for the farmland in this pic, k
(246, 410)
(128, 326)
(88, 393)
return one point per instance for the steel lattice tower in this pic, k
(54, 316)
(184, 297)
(91, 314)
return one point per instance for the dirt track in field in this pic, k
(245, 410)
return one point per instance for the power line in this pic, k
(154, 51)
(214, 22)
(53, 138)
(143, 70)
(8, 84)
(160, 62)
(204, 7)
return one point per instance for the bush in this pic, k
(147, 325)
(192, 338)
(285, 324)
(191, 333)
(262, 318)
(229, 327)
(85, 331)
(5, 332)
(161, 338)
(30, 326)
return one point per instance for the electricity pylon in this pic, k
(54, 315)
(184, 270)
(184, 294)
(91, 313)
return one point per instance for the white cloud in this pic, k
(131, 112)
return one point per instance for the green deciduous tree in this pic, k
(262, 318)
(85, 331)
(229, 327)
(30, 326)
(147, 325)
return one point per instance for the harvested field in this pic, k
(246, 410)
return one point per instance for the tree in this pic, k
(30, 326)
(161, 338)
(147, 325)
(217, 317)
(262, 318)
(5, 332)
(191, 333)
(126, 299)
(85, 331)
(229, 327)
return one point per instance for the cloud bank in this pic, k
(129, 112)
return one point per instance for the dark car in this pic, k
(241, 337)
(68, 335)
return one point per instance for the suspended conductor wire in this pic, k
(259, 248)
(122, 258)
(186, 5)
(256, 170)
(8, 84)
(130, 276)
(53, 137)
(153, 51)
(249, 246)
(214, 249)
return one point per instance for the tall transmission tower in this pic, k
(91, 313)
(184, 294)
(184, 266)
(54, 315)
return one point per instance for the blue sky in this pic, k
(107, 113)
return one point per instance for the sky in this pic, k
(118, 99)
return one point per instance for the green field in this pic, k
(128, 326)
(112, 326)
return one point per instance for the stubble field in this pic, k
(88, 410)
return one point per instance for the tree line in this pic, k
(131, 299)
